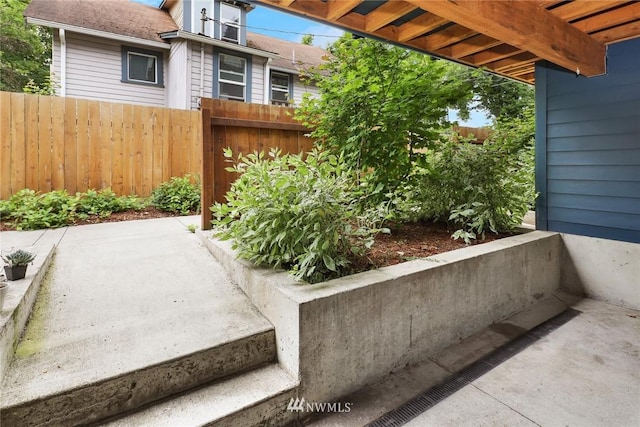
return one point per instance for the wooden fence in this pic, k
(479, 134)
(51, 143)
(244, 128)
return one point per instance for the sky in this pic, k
(281, 25)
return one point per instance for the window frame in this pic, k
(127, 51)
(231, 82)
(289, 90)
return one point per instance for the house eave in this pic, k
(285, 70)
(98, 33)
(185, 35)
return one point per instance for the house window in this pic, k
(196, 18)
(231, 77)
(281, 91)
(230, 23)
(141, 66)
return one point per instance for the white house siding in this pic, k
(94, 71)
(177, 13)
(257, 80)
(299, 88)
(177, 79)
(195, 73)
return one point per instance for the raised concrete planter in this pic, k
(18, 303)
(340, 335)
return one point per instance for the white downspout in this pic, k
(267, 82)
(201, 70)
(63, 62)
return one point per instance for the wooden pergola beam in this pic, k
(338, 8)
(619, 16)
(527, 26)
(386, 14)
(419, 26)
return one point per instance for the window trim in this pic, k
(159, 56)
(245, 76)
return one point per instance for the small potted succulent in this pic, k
(16, 264)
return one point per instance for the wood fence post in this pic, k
(207, 177)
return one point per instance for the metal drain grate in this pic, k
(431, 397)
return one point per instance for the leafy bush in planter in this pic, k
(478, 187)
(179, 195)
(295, 213)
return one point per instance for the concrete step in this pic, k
(129, 314)
(256, 398)
(29, 402)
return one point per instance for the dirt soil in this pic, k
(407, 241)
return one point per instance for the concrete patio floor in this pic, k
(585, 373)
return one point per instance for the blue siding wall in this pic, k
(588, 148)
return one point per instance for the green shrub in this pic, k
(32, 211)
(104, 202)
(478, 187)
(298, 214)
(179, 195)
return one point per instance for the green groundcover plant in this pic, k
(297, 213)
(31, 210)
(178, 195)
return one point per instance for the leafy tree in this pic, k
(307, 39)
(502, 98)
(379, 104)
(25, 50)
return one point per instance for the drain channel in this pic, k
(431, 397)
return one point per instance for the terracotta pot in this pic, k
(16, 272)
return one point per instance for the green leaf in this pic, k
(329, 262)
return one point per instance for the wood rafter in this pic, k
(338, 8)
(475, 44)
(622, 32)
(555, 40)
(506, 36)
(580, 9)
(386, 14)
(494, 54)
(614, 18)
(443, 38)
(511, 62)
(286, 3)
(419, 26)
(564, 12)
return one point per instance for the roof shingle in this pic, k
(121, 17)
(294, 56)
